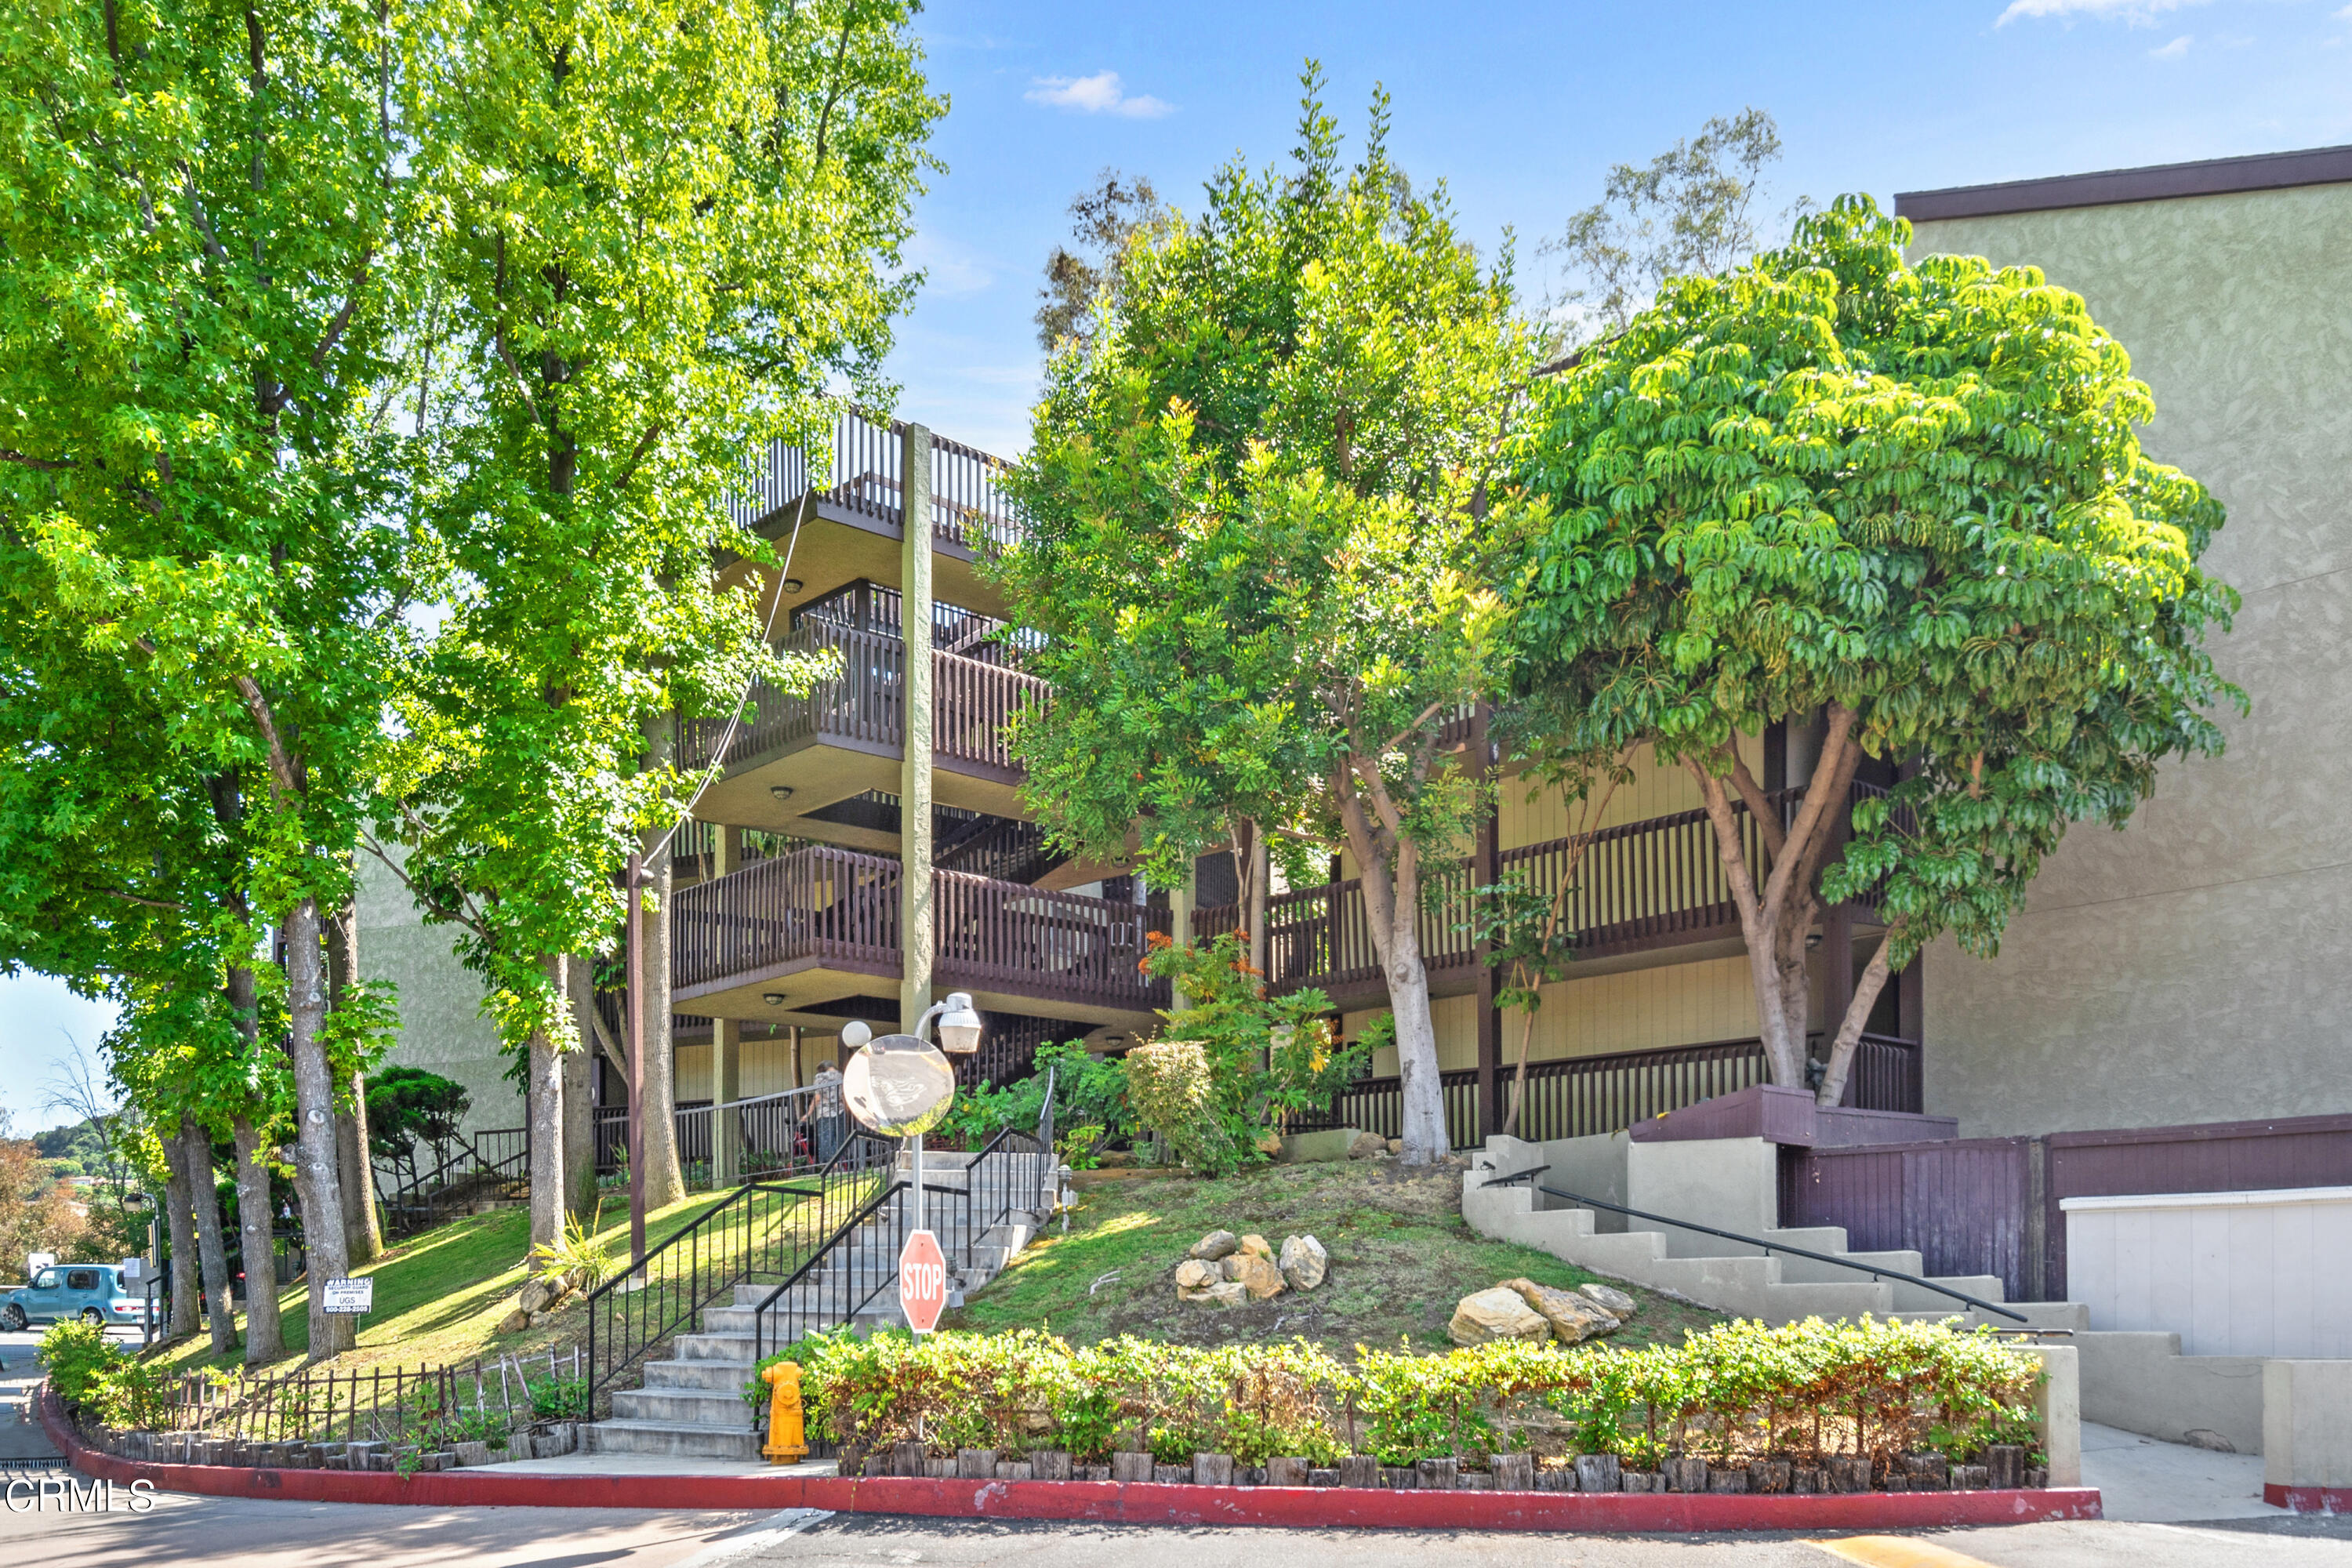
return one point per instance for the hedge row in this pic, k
(1741, 1392)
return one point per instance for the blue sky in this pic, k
(1520, 110)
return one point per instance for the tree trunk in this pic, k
(1840, 1056)
(1254, 911)
(362, 1236)
(1392, 907)
(203, 1190)
(318, 1176)
(664, 1185)
(543, 1109)
(579, 1098)
(180, 1221)
(265, 1341)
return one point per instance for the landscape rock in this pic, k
(1497, 1313)
(1216, 1245)
(1366, 1145)
(543, 1294)
(1196, 1274)
(1270, 1145)
(1231, 1293)
(514, 1322)
(1260, 1276)
(1573, 1317)
(1230, 1268)
(1615, 1301)
(1304, 1262)
(1394, 1145)
(1258, 1245)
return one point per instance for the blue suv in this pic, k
(93, 1292)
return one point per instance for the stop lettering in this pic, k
(922, 1281)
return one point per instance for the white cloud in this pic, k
(949, 269)
(1098, 94)
(2139, 13)
(2171, 51)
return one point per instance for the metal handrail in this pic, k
(1874, 1271)
(848, 1228)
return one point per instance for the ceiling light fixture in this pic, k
(780, 792)
(773, 998)
(792, 584)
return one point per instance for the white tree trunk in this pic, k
(318, 1176)
(265, 1341)
(543, 1109)
(212, 1247)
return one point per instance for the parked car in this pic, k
(94, 1292)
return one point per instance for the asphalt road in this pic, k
(206, 1530)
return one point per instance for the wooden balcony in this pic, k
(852, 527)
(845, 737)
(818, 927)
(1642, 888)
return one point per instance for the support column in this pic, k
(916, 945)
(726, 1051)
(1486, 871)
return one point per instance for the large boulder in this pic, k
(1304, 1262)
(1196, 1274)
(1616, 1302)
(1260, 1276)
(1257, 1246)
(1230, 1293)
(1366, 1146)
(1216, 1245)
(1497, 1313)
(1573, 1317)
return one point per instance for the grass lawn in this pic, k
(440, 1294)
(1400, 1258)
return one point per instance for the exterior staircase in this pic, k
(982, 1208)
(1700, 1180)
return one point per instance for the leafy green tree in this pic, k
(1909, 498)
(1103, 218)
(1255, 507)
(662, 234)
(198, 207)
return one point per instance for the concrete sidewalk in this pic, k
(2170, 1483)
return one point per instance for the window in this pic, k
(81, 1280)
(48, 1280)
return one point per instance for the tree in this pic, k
(193, 329)
(1103, 218)
(1911, 500)
(663, 234)
(37, 1212)
(1254, 511)
(1688, 212)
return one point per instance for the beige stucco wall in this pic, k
(2191, 968)
(441, 1025)
(1635, 1010)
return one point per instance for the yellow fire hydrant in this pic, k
(786, 1444)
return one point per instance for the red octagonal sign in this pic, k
(922, 1281)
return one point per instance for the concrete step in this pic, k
(728, 1375)
(683, 1406)
(2051, 1317)
(672, 1439)
(715, 1344)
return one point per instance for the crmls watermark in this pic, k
(63, 1492)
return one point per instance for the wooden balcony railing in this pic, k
(971, 704)
(1579, 1097)
(1639, 884)
(839, 907)
(969, 507)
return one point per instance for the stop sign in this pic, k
(922, 1281)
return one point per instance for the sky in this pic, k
(1520, 110)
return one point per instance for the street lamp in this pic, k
(958, 1025)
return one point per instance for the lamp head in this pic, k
(960, 1025)
(856, 1033)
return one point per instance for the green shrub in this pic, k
(1741, 1391)
(1172, 1085)
(79, 1356)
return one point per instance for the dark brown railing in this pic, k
(833, 905)
(971, 702)
(1007, 937)
(1579, 1097)
(840, 907)
(969, 507)
(1637, 884)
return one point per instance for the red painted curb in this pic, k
(2308, 1499)
(1117, 1502)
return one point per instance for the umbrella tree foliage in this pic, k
(1254, 513)
(1909, 498)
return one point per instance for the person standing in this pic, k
(832, 1118)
